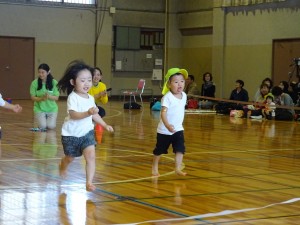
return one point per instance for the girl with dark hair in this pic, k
(284, 85)
(44, 93)
(78, 129)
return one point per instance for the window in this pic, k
(79, 2)
(88, 2)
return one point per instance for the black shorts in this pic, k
(164, 141)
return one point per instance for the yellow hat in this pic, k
(269, 94)
(170, 73)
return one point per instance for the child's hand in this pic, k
(93, 110)
(109, 128)
(171, 128)
(17, 108)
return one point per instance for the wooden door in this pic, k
(286, 53)
(16, 66)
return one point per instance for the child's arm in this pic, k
(14, 107)
(97, 119)
(164, 118)
(81, 115)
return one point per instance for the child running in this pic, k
(170, 129)
(78, 128)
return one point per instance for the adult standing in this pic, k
(44, 93)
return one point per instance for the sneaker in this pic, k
(256, 117)
(36, 129)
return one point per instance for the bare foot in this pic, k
(180, 173)
(90, 187)
(155, 172)
(62, 170)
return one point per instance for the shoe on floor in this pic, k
(256, 117)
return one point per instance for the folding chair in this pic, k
(139, 91)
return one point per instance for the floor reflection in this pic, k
(44, 144)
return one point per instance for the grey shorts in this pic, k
(74, 146)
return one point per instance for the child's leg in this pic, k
(64, 163)
(89, 155)
(156, 159)
(178, 164)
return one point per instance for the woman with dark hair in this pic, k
(208, 89)
(283, 99)
(266, 81)
(44, 93)
(255, 111)
(284, 85)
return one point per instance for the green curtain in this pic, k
(227, 3)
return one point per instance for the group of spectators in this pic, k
(281, 97)
(270, 102)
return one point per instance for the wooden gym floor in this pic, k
(240, 171)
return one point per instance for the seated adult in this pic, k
(295, 86)
(239, 94)
(208, 89)
(284, 85)
(266, 81)
(283, 99)
(98, 90)
(191, 86)
(256, 109)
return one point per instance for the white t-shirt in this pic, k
(78, 128)
(2, 102)
(175, 113)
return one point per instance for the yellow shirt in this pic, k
(96, 90)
